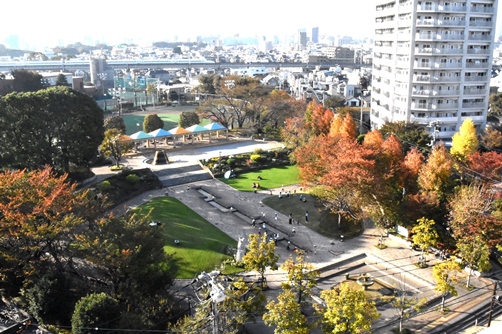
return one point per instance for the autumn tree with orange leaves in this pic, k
(39, 214)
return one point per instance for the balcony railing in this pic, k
(477, 65)
(473, 104)
(478, 51)
(474, 91)
(479, 38)
(476, 9)
(474, 78)
(480, 24)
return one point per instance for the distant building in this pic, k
(340, 53)
(302, 39)
(315, 35)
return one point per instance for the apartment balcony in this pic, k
(425, 92)
(436, 51)
(422, 78)
(445, 134)
(475, 78)
(422, 106)
(450, 23)
(478, 65)
(480, 24)
(430, 106)
(475, 91)
(470, 105)
(478, 51)
(476, 9)
(427, 22)
(478, 119)
(479, 38)
(427, 120)
(447, 65)
(438, 37)
(443, 79)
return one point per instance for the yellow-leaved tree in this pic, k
(465, 141)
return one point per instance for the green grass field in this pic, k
(170, 122)
(202, 245)
(271, 178)
(320, 219)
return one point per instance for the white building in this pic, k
(432, 62)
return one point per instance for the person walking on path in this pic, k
(264, 227)
(307, 216)
(293, 231)
(290, 218)
(275, 216)
(253, 222)
(259, 231)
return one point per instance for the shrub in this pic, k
(105, 185)
(232, 162)
(132, 178)
(258, 151)
(255, 157)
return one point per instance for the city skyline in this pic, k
(53, 23)
(50, 22)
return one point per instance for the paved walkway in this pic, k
(232, 212)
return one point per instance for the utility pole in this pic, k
(216, 293)
(494, 295)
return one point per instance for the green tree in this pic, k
(475, 253)
(410, 134)
(446, 274)
(138, 270)
(346, 311)
(152, 122)
(465, 141)
(26, 81)
(424, 235)
(302, 277)
(115, 122)
(260, 255)
(405, 304)
(94, 311)
(495, 105)
(210, 84)
(286, 315)
(56, 126)
(61, 80)
(50, 298)
(113, 146)
(188, 118)
(334, 102)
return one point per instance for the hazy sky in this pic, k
(49, 22)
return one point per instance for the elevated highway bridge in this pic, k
(74, 65)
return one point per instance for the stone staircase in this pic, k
(180, 175)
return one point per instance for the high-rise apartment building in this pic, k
(432, 62)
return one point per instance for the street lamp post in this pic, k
(219, 162)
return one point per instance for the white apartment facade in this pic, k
(432, 62)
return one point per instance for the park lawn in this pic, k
(274, 177)
(170, 122)
(320, 219)
(202, 245)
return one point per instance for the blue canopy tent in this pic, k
(216, 127)
(197, 130)
(141, 136)
(160, 133)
